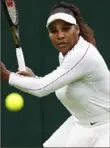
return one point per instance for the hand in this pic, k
(4, 72)
(28, 72)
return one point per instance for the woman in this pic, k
(81, 82)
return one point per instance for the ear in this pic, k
(77, 29)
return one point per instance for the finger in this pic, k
(20, 72)
(28, 69)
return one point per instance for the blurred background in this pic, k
(40, 117)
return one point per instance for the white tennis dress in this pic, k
(81, 83)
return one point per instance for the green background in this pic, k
(40, 117)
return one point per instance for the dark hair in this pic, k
(85, 31)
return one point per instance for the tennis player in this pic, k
(81, 82)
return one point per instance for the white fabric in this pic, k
(61, 16)
(81, 83)
(72, 134)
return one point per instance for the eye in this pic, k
(52, 31)
(66, 28)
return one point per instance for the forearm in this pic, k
(34, 85)
(41, 86)
(31, 85)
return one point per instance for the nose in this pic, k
(60, 35)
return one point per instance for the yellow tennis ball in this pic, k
(14, 102)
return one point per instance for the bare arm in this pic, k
(4, 72)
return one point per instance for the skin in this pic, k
(63, 36)
(4, 73)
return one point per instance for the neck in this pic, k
(76, 41)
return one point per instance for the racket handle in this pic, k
(20, 59)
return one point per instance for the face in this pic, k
(63, 35)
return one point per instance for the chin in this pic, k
(64, 52)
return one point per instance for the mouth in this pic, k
(61, 44)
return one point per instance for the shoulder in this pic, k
(95, 54)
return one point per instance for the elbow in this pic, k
(40, 94)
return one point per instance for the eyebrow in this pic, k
(64, 24)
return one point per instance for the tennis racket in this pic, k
(11, 13)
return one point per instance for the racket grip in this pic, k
(20, 59)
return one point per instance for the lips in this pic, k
(61, 44)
